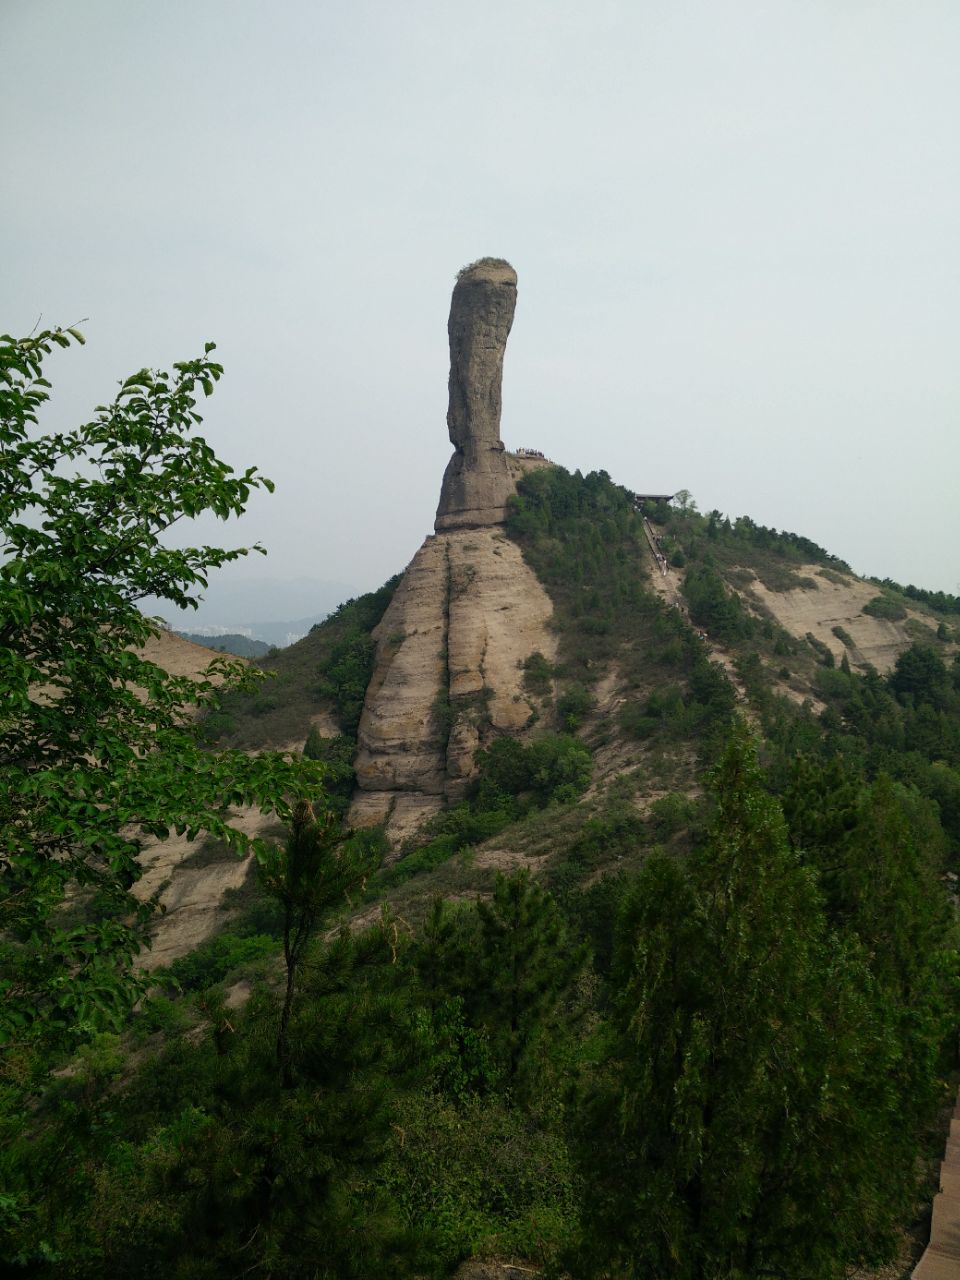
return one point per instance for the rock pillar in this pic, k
(478, 480)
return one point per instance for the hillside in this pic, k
(644, 683)
(619, 939)
(649, 665)
(551, 602)
(177, 654)
(239, 645)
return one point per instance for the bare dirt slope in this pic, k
(837, 601)
(178, 656)
(190, 896)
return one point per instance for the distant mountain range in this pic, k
(253, 639)
(269, 610)
(230, 642)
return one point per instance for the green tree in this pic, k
(919, 673)
(554, 767)
(731, 1133)
(711, 606)
(336, 754)
(98, 747)
(524, 967)
(684, 500)
(316, 869)
(888, 893)
(208, 1166)
(496, 978)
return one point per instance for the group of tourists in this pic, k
(658, 552)
(531, 453)
(685, 614)
(656, 546)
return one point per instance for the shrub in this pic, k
(635, 721)
(482, 262)
(346, 676)
(215, 725)
(666, 703)
(538, 674)
(159, 1013)
(337, 754)
(214, 959)
(573, 705)
(552, 768)
(722, 614)
(671, 814)
(823, 651)
(482, 1177)
(920, 674)
(886, 608)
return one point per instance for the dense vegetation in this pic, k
(707, 1044)
(906, 725)
(584, 538)
(772, 551)
(941, 601)
(737, 1089)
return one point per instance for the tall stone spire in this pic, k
(477, 481)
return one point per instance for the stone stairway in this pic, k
(941, 1260)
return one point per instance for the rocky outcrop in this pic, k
(478, 480)
(400, 762)
(448, 675)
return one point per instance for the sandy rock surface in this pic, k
(180, 657)
(191, 896)
(478, 480)
(818, 609)
(401, 746)
(498, 616)
(448, 674)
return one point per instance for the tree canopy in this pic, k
(98, 745)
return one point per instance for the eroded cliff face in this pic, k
(450, 648)
(448, 675)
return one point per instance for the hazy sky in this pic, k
(736, 227)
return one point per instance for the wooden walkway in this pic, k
(941, 1260)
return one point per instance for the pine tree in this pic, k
(524, 966)
(314, 871)
(728, 1136)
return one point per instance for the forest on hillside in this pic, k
(711, 1041)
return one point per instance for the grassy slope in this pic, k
(298, 693)
(650, 698)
